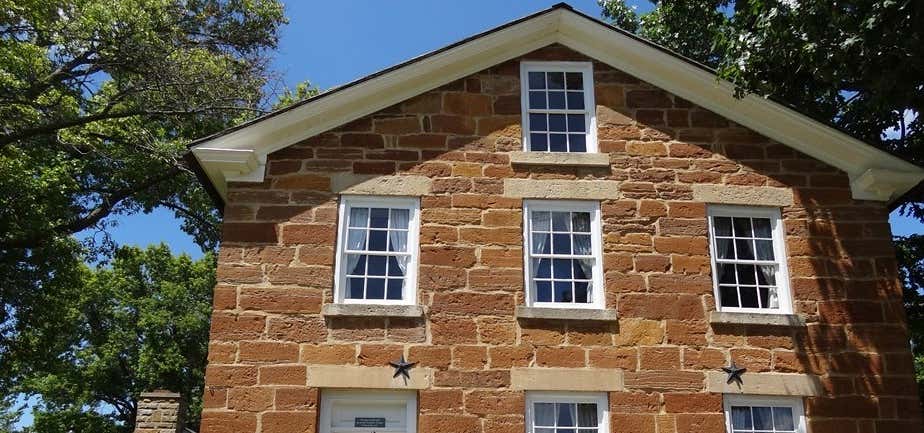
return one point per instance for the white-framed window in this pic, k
(377, 250)
(571, 412)
(764, 414)
(368, 411)
(559, 113)
(563, 254)
(749, 260)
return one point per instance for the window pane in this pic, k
(774, 298)
(557, 100)
(575, 123)
(541, 221)
(587, 415)
(746, 274)
(764, 295)
(375, 288)
(359, 268)
(744, 249)
(561, 243)
(723, 249)
(575, 80)
(557, 123)
(722, 226)
(537, 80)
(542, 268)
(558, 143)
(582, 268)
(543, 291)
(377, 265)
(538, 142)
(359, 216)
(580, 222)
(565, 415)
(741, 417)
(765, 275)
(537, 100)
(400, 218)
(395, 266)
(545, 430)
(561, 269)
(763, 420)
(581, 292)
(561, 221)
(545, 414)
(742, 227)
(378, 218)
(394, 288)
(782, 418)
(356, 240)
(378, 240)
(537, 122)
(397, 241)
(355, 289)
(541, 243)
(563, 291)
(575, 100)
(764, 250)
(582, 244)
(727, 274)
(762, 228)
(748, 297)
(577, 143)
(556, 80)
(729, 295)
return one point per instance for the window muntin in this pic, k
(378, 250)
(563, 254)
(558, 107)
(567, 413)
(748, 259)
(759, 414)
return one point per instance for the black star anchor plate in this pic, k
(734, 373)
(402, 368)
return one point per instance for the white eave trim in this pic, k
(874, 174)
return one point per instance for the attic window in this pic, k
(558, 107)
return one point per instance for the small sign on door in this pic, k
(368, 422)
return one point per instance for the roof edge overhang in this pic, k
(239, 154)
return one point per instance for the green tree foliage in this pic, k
(856, 64)
(138, 324)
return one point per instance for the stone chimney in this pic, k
(160, 412)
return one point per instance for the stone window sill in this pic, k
(781, 320)
(560, 158)
(371, 310)
(577, 314)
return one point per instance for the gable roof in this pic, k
(239, 153)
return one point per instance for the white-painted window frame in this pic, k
(409, 293)
(329, 396)
(779, 252)
(795, 403)
(598, 295)
(598, 398)
(590, 107)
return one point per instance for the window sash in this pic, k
(589, 111)
(751, 401)
(595, 281)
(576, 398)
(342, 274)
(779, 263)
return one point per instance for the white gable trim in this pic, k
(874, 174)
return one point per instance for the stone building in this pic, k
(564, 229)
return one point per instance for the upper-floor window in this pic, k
(762, 414)
(377, 250)
(558, 107)
(567, 413)
(563, 254)
(748, 259)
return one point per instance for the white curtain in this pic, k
(721, 247)
(769, 272)
(398, 238)
(356, 240)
